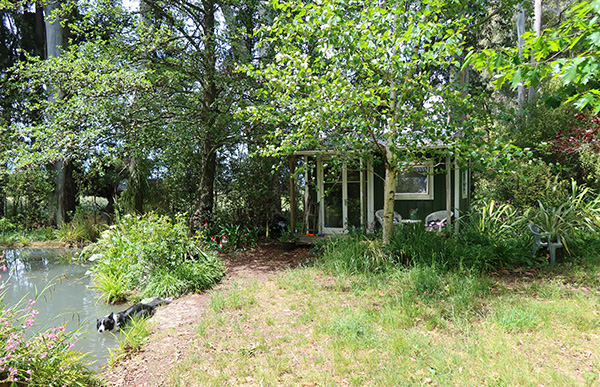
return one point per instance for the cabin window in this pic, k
(415, 183)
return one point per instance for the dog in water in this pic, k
(116, 321)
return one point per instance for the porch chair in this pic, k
(437, 220)
(379, 216)
(542, 238)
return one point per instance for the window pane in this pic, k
(414, 181)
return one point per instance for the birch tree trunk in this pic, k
(537, 28)
(389, 194)
(520, 21)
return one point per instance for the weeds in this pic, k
(131, 338)
(356, 253)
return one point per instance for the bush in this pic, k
(150, 256)
(577, 216)
(492, 235)
(230, 237)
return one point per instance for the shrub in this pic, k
(84, 227)
(577, 215)
(230, 237)
(151, 256)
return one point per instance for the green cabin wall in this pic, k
(402, 207)
(425, 207)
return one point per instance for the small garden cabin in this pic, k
(338, 196)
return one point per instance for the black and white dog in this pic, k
(116, 321)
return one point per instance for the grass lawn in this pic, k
(414, 327)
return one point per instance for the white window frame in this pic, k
(465, 183)
(419, 196)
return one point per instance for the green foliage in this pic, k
(522, 182)
(32, 358)
(492, 237)
(152, 257)
(14, 234)
(28, 192)
(567, 52)
(111, 283)
(351, 73)
(83, 228)
(501, 220)
(469, 250)
(353, 254)
(577, 216)
(250, 189)
(229, 236)
(130, 339)
(590, 164)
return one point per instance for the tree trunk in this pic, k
(64, 193)
(205, 193)
(137, 184)
(520, 21)
(389, 198)
(388, 204)
(537, 28)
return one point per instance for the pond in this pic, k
(69, 299)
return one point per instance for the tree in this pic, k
(156, 88)
(567, 52)
(56, 42)
(363, 77)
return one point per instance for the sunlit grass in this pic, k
(417, 327)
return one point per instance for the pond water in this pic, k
(69, 299)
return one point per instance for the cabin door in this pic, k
(340, 204)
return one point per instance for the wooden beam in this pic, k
(448, 191)
(292, 194)
(457, 194)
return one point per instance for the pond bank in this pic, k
(175, 325)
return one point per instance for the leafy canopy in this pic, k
(353, 75)
(568, 52)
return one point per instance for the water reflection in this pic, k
(65, 295)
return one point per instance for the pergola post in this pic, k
(448, 191)
(292, 195)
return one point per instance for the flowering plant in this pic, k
(38, 359)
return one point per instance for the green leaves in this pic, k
(363, 70)
(567, 52)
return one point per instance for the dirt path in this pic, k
(175, 324)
